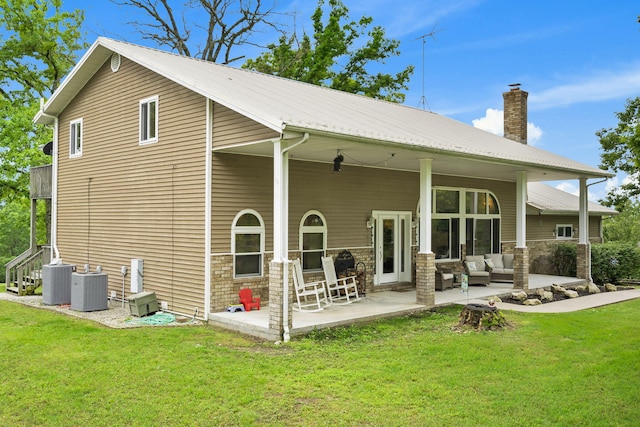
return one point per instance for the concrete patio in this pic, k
(375, 305)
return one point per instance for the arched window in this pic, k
(247, 242)
(313, 240)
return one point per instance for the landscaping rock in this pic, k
(592, 288)
(547, 296)
(558, 289)
(519, 295)
(532, 301)
(610, 287)
(571, 294)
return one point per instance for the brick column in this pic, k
(583, 252)
(276, 309)
(426, 279)
(521, 268)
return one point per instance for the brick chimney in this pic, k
(515, 114)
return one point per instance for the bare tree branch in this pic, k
(226, 24)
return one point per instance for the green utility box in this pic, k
(143, 303)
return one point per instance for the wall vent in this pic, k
(115, 62)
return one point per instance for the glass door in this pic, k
(393, 247)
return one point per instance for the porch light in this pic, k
(337, 161)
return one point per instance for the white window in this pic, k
(313, 240)
(564, 231)
(247, 241)
(149, 120)
(75, 138)
(458, 211)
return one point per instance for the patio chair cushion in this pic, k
(508, 260)
(496, 260)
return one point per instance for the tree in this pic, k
(229, 23)
(37, 48)
(624, 227)
(333, 58)
(621, 153)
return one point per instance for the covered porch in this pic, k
(376, 305)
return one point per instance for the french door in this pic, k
(392, 247)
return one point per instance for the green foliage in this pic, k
(624, 227)
(14, 230)
(613, 261)
(38, 42)
(621, 152)
(563, 258)
(340, 56)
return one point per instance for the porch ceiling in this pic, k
(388, 155)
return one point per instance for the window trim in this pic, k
(235, 230)
(146, 102)
(312, 229)
(73, 150)
(564, 226)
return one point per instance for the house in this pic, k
(207, 179)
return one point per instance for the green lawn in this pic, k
(545, 369)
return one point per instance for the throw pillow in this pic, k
(489, 263)
(471, 266)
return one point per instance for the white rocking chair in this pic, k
(342, 290)
(311, 296)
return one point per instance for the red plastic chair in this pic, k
(247, 299)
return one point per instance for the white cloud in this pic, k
(493, 122)
(571, 188)
(622, 83)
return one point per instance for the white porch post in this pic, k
(583, 218)
(425, 259)
(425, 205)
(279, 311)
(584, 246)
(521, 252)
(280, 201)
(521, 210)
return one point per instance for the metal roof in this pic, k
(552, 201)
(366, 129)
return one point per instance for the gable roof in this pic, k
(334, 118)
(552, 201)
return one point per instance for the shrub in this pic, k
(611, 262)
(563, 259)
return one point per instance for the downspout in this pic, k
(54, 186)
(285, 270)
(207, 210)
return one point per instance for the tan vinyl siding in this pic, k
(121, 200)
(542, 227)
(346, 199)
(231, 128)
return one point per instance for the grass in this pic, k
(545, 369)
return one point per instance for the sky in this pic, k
(579, 61)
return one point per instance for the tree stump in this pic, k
(480, 315)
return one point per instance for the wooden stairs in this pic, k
(24, 273)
